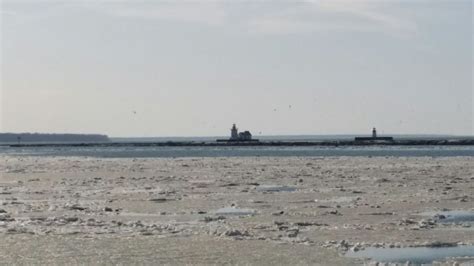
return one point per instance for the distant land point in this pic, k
(20, 138)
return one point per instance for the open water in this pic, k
(176, 152)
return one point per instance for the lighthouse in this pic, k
(234, 133)
(236, 136)
(374, 133)
(374, 138)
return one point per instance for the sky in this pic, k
(193, 68)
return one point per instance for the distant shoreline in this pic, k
(51, 138)
(404, 142)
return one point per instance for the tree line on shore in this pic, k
(41, 137)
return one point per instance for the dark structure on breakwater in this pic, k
(374, 137)
(236, 136)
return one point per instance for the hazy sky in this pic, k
(192, 68)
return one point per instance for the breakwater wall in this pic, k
(405, 142)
